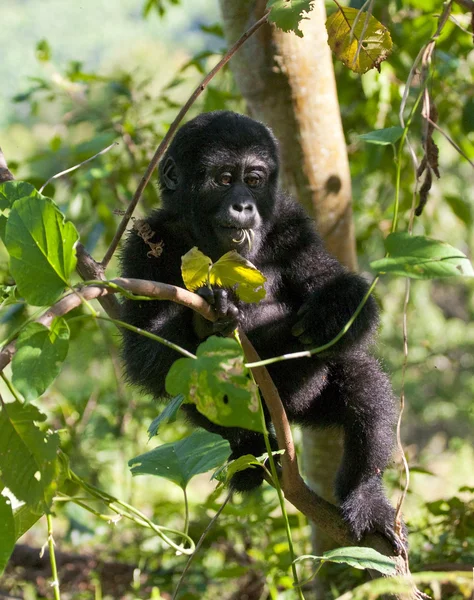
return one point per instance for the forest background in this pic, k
(77, 77)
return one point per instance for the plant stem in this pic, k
(52, 558)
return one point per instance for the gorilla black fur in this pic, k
(218, 180)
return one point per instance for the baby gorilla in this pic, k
(219, 187)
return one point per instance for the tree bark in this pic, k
(288, 82)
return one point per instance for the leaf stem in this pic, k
(12, 390)
(130, 512)
(147, 334)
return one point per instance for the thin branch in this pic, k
(451, 141)
(199, 544)
(71, 169)
(169, 134)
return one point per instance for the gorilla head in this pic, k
(220, 175)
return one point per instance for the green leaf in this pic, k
(234, 271)
(383, 137)
(28, 462)
(24, 517)
(420, 257)
(7, 532)
(10, 192)
(180, 461)
(195, 269)
(461, 208)
(357, 557)
(41, 248)
(9, 295)
(39, 355)
(225, 472)
(217, 382)
(287, 14)
(167, 416)
(343, 38)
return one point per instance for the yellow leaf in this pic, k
(234, 270)
(195, 268)
(360, 47)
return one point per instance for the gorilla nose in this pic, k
(243, 207)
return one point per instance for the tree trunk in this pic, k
(288, 82)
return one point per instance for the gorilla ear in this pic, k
(169, 174)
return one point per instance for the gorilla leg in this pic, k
(359, 397)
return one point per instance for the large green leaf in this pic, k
(28, 461)
(361, 45)
(420, 257)
(287, 14)
(7, 532)
(180, 461)
(41, 249)
(217, 382)
(39, 355)
(357, 557)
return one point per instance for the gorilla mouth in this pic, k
(241, 235)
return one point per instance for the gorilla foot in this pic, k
(372, 513)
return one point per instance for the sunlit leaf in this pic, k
(195, 269)
(287, 14)
(344, 39)
(41, 248)
(420, 257)
(217, 382)
(39, 355)
(180, 461)
(234, 271)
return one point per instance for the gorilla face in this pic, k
(220, 176)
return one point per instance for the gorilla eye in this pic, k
(252, 179)
(225, 178)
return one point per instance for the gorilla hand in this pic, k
(227, 313)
